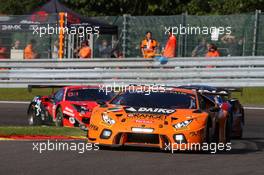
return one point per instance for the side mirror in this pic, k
(214, 109)
(51, 98)
(46, 99)
(101, 103)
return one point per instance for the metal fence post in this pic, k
(184, 37)
(255, 36)
(65, 36)
(125, 34)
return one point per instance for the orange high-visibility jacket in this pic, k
(170, 48)
(149, 47)
(85, 52)
(213, 54)
(28, 52)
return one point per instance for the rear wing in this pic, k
(228, 91)
(223, 91)
(30, 87)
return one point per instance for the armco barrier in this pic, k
(221, 71)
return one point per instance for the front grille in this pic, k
(143, 138)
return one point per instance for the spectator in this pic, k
(212, 51)
(201, 49)
(148, 46)
(170, 48)
(116, 53)
(85, 50)
(233, 45)
(16, 45)
(3, 51)
(105, 50)
(29, 51)
(55, 52)
(3, 54)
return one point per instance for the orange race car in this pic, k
(168, 118)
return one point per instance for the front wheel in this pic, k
(59, 118)
(33, 120)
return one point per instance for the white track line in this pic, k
(256, 108)
(15, 102)
(27, 102)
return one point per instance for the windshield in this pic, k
(88, 95)
(169, 100)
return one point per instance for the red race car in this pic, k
(69, 106)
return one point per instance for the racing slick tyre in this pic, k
(209, 135)
(33, 120)
(59, 118)
(242, 123)
(240, 135)
(228, 129)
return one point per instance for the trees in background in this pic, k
(139, 7)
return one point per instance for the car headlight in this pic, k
(182, 124)
(81, 109)
(108, 120)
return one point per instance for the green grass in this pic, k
(22, 94)
(41, 130)
(251, 96)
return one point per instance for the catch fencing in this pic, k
(246, 38)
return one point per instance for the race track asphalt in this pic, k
(13, 114)
(18, 157)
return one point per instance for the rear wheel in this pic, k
(240, 135)
(228, 129)
(209, 132)
(33, 120)
(59, 118)
(242, 123)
